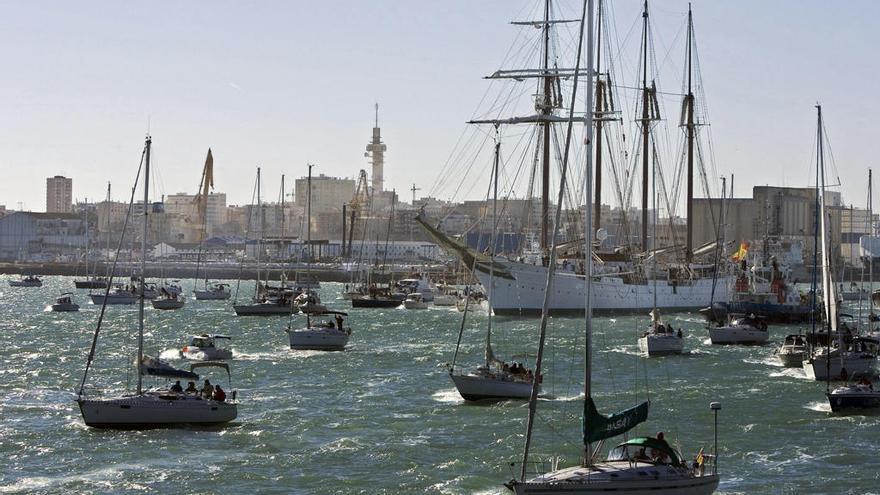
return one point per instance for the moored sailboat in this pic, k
(149, 408)
(629, 468)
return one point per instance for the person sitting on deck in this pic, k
(658, 455)
(207, 390)
(176, 387)
(219, 394)
(191, 388)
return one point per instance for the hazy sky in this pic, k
(280, 84)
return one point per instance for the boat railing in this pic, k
(535, 468)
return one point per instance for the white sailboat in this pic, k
(329, 335)
(748, 330)
(149, 408)
(640, 465)
(847, 359)
(494, 379)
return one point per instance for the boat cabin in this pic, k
(646, 449)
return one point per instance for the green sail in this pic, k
(598, 427)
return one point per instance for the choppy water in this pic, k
(383, 417)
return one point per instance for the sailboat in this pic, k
(92, 281)
(267, 301)
(212, 291)
(329, 335)
(494, 379)
(851, 357)
(27, 281)
(157, 407)
(639, 465)
(618, 289)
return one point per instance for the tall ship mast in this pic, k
(624, 284)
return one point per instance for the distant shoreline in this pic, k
(183, 270)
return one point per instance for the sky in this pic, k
(281, 84)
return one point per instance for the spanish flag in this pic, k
(740, 253)
(700, 459)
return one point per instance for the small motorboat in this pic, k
(415, 301)
(204, 348)
(661, 340)
(792, 351)
(169, 299)
(855, 397)
(328, 335)
(64, 303)
(29, 281)
(748, 330)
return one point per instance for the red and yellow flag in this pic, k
(740, 253)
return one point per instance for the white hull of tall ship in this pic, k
(818, 367)
(519, 290)
(318, 339)
(155, 410)
(212, 295)
(479, 386)
(619, 478)
(114, 298)
(661, 345)
(738, 334)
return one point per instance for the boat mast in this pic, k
(690, 130)
(870, 253)
(600, 119)
(490, 290)
(586, 18)
(546, 109)
(140, 357)
(646, 129)
(260, 240)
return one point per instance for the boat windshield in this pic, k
(645, 450)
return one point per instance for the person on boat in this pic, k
(191, 388)
(219, 395)
(659, 455)
(176, 387)
(641, 455)
(207, 390)
(339, 322)
(680, 335)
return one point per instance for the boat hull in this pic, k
(518, 289)
(22, 283)
(661, 345)
(843, 400)
(445, 300)
(262, 310)
(155, 411)
(210, 295)
(167, 304)
(375, 303)
(65, 307)
(772, 313)
(196, 354)
(738, 335)
(476, 388)
(90, 284)
(640, 479)
(113, 299)
(819, 368)
(318, 339)
(792, 359)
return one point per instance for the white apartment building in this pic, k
(59, 194)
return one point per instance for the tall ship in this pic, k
(637, 272)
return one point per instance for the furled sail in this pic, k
(598, 427)
(156, 367)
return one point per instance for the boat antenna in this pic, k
(586, 21)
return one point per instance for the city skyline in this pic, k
(263, 101)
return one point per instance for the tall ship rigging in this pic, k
(626, 280)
